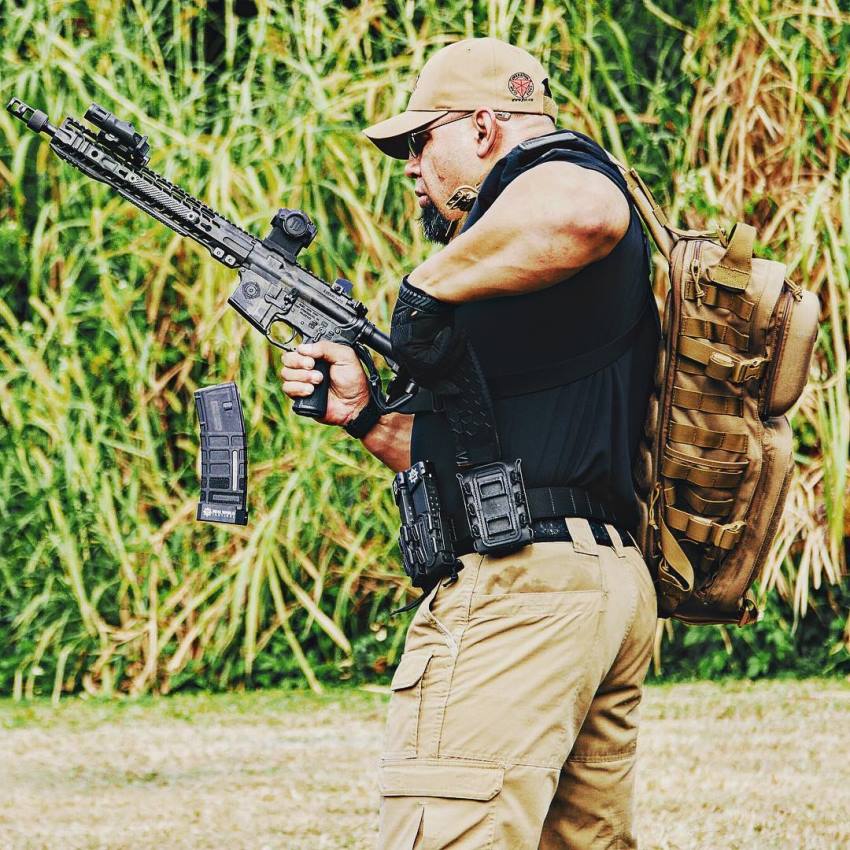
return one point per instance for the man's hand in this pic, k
(348, 393)
(423, 335)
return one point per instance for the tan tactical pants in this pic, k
(514, 710)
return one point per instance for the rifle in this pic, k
(272, 286)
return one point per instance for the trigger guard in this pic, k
(283, 346)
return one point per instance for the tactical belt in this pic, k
(549, 505)
(431, 545)
(556, 529)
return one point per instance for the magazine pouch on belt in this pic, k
(715, 461)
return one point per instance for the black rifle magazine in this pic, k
(224, 459)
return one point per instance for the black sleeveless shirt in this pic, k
(583, 432)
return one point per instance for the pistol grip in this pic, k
(315, 405)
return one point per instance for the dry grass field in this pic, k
(722, 766)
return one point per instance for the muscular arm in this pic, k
(546, 226)
(389, 440)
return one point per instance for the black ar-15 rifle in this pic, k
(272, 286)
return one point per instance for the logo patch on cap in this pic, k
(521, 86)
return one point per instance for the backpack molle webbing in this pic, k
(715, 462)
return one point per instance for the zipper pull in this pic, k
(696, 274)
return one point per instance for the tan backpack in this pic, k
(715, 462)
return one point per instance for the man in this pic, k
(513, 717)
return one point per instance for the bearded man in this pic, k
(514, 711)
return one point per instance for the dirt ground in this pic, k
(721, 766)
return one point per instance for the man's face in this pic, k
(447, 160)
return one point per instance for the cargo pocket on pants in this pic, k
(402, 732)
(450, 804)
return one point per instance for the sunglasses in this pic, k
(416, 140)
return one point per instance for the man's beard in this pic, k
(434, 225)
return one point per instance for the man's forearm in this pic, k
(389, 440)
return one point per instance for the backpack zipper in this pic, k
(696, 273)
(783, 308)
(672, 304)
(773, 525)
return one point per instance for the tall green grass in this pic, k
(109, 322)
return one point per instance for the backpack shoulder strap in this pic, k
(663, 233)
(650, 210)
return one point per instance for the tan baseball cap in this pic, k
(466, 75)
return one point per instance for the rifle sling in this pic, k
(566, 371)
